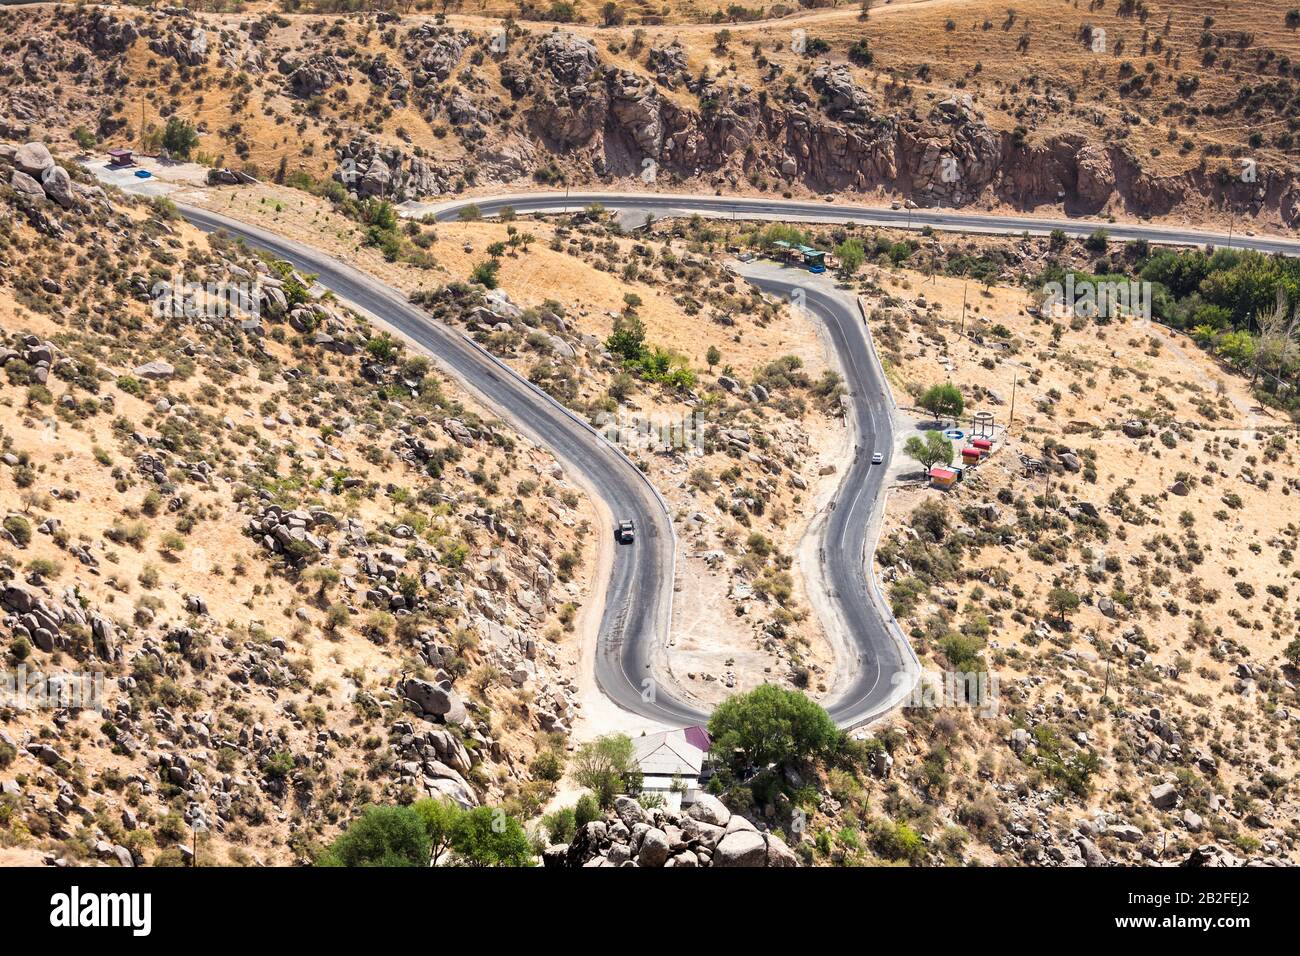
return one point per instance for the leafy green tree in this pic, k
(381, 836)
(771, 725)
(440, 819)
(380, 213)
(930, 449)
(628, 338)
(486, 836)
(382, 348)
(1097, 241)
(605, 766)
(712, 357)
(179, 138)
(1292, 652)
(20, 529)
(942, 401)
(1062, 602)
(851, 254)
(783, 232)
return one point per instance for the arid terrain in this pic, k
(266, 533)
(319, 579)
(1181, 111)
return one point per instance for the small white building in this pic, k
(672, 764)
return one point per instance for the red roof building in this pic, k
(942, 477)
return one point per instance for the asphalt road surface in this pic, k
(880, 667)
(661, 205)
(638, 600)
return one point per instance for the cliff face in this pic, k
(838, 137)
(411, 108)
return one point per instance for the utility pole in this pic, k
(1015, 379)
(964, 284)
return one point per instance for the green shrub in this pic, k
(381, 836)
(20, 529)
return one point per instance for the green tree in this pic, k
(780, 231)
(381, 836)
(929, 449)
(628, 338)
(622, 386)
(712, 357)
(1292, 652)
(942, 401)
(179, 138)
(605, 766)
(486, 836)
(380, 213)
(851, 254)
(485, 273)
(1062, 602)
(771, 725)
(440, 819)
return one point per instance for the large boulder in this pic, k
(437, 700)
(630, 812)
(155, 370)
(26, 186)
(654, 848)
(58, 186)
(741, 848)
(704, 834)
(1096, 176)
(570, 58)
(778, 854)
(1164, 796)
(709, 809)
(1211, 855)
(33, 159)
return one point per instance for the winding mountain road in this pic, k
(662, 205)
(638, 599)
(875, 665)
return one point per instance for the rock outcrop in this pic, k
(707, 835)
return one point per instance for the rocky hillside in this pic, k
(1123, 564)
(1133, 111)
(707, 835)
(293, 569)
(730, 406)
